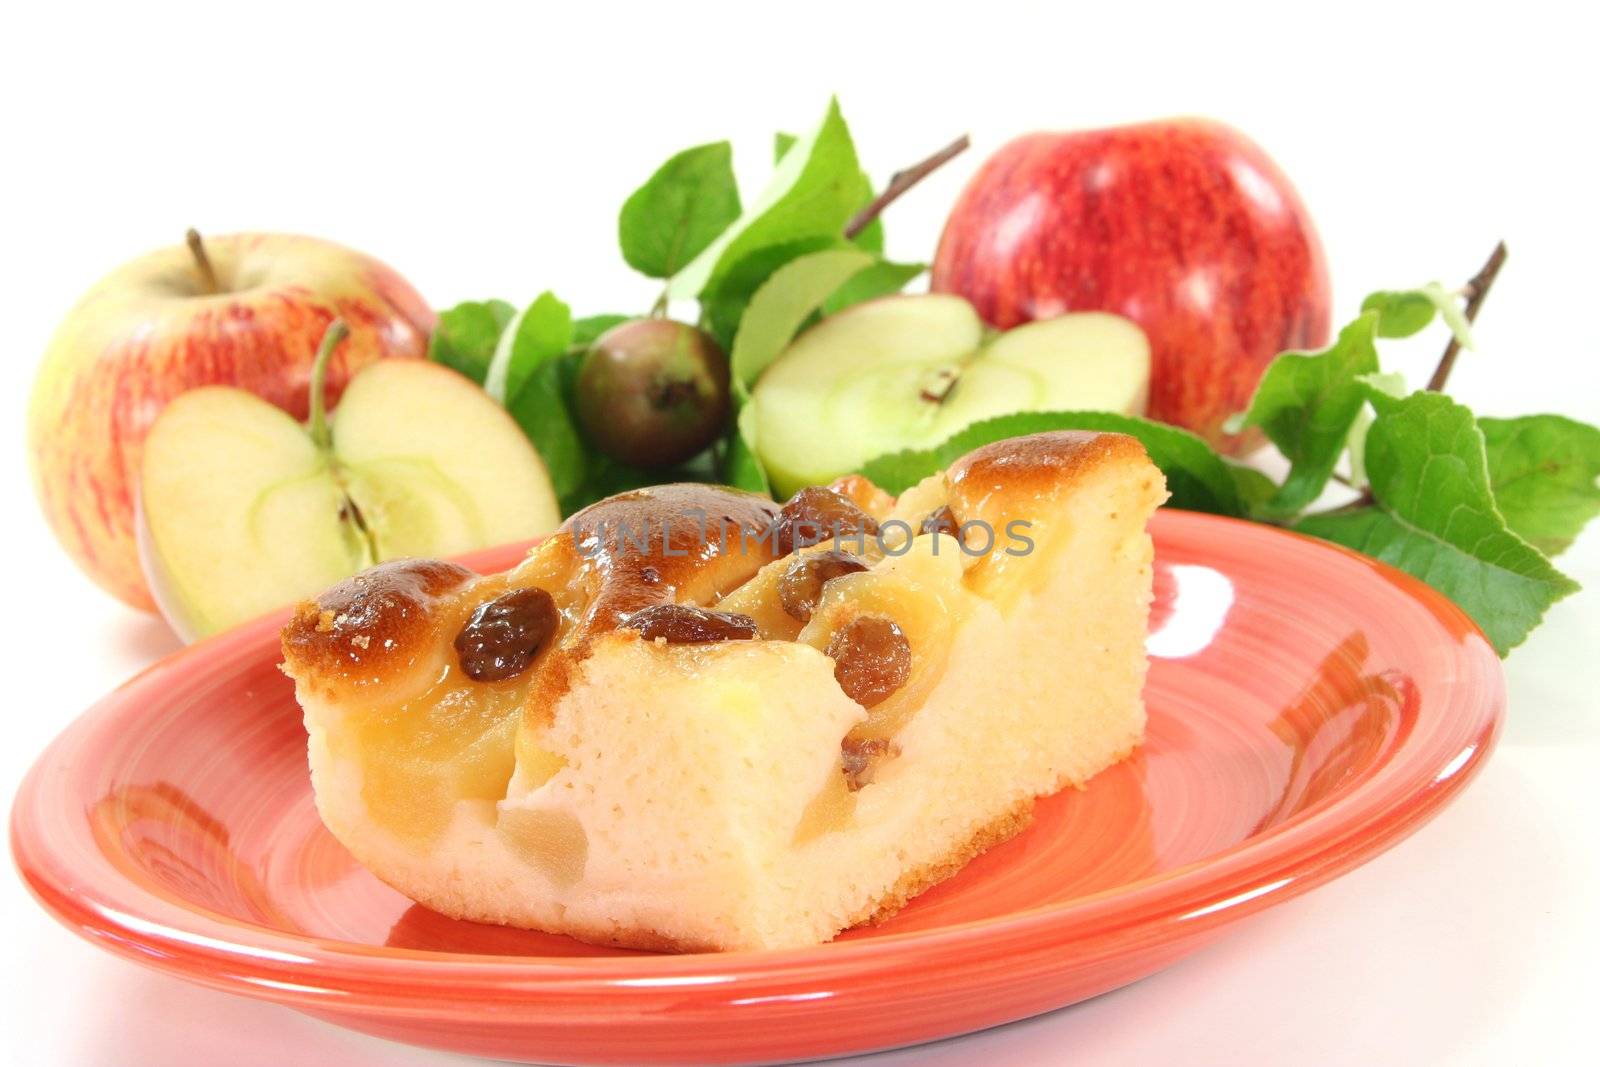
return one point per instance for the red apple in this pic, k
(246, 310)
(1183, 226)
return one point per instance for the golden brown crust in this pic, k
(371, 626)
(1040, 464)
(860, 491)
(687, 543)
(684, 543)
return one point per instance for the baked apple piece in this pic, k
(695, 720)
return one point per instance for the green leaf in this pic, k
(1403, 312)
(1434, 517)
(585, 330)
(1197, 478)
(1307, 403)
(466, 335)
(781, 143)
(1393, 383)
(1543, 470)
(1389, 383)
(814, 190)
(1357, 445)
(880, 279)
(672, 217)
(540, 408)
(742, 469)
(721, 310)
(1254, 488)
(871, 236)
(1455, 318)
(531, 374)
(782, 304)
(539, 332)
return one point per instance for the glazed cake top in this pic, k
(686, 544)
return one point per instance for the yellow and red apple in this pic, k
(248, 312)
(1183, 226)
(243, 509)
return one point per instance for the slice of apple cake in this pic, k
(693, 720)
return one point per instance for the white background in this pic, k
(484, 152)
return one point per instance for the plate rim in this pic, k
(1372, 814)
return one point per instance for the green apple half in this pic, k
(909, 371)
(242, 509)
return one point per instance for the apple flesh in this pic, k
(241, 511)
(909, 371)
(157, 328)
(1183, 226)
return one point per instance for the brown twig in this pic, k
(1475, 291)
(902, 181)
(197, 249)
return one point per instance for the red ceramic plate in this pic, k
(1308, 708)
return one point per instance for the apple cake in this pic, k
(693, 720)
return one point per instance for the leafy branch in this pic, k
(1470, 506)
(1475, 292)
(1473, 506)
(688, 226)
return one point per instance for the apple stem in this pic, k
(1475, 290)
(659, 309)
(902, 181)
(321, 436)
(202, 262)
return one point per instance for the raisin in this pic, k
(801, 585)
(941, 521)
(860, 759)
(504, 634)
(871, 659)
(815, 515)
(685, 624)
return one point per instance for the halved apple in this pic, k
(242, 509)
(909, 371)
